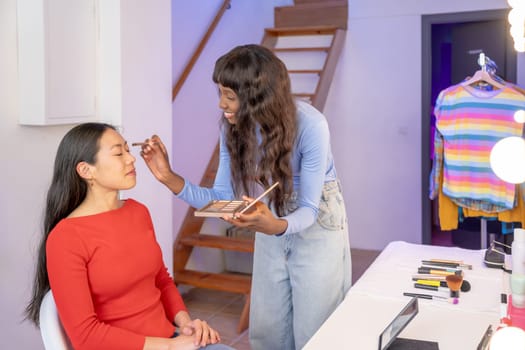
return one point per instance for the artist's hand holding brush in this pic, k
(155, 154)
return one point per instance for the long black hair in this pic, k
(66, 192)
(261, 82)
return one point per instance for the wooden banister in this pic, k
(189, 66)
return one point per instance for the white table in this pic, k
(377, 297)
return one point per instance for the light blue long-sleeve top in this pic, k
(312, 165)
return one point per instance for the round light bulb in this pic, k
(517, 31)
(516, 17)
(507, 159)
(508, 338)
(519, 116)
(516, 3)
(519, 44)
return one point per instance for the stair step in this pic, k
(319, 13)
(227, 282)
(304, 71)
(316, 4)
(300, 94)
(302, 30)
(300, 2)
(220, 242)
(301, 49)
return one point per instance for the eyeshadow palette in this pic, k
(219, 208)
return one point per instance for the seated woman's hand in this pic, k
(183, 342)
(180, 342)
(202, 333)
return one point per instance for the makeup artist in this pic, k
(302, 261)
(100, 257)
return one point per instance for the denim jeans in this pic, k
(299, 279)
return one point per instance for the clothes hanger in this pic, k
(483, 75)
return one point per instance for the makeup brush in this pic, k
(431, 287)
(447, 263)
(439, 271)
(454, 284)
(465, 285)
(134, 144)
(427, 276)
(432, 297)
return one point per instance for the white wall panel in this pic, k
(57, 61)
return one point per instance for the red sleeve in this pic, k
(170, 296)
(67, 258)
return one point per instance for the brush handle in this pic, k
(259, 198)
(426, 286)
(417, 295)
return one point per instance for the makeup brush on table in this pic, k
(454, 283)
(436, 284)
(439, 271)
(447, 263)
(432, 297)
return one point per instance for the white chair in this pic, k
(51, 329)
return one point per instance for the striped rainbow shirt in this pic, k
(471, 121)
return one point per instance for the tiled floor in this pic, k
(222, 309)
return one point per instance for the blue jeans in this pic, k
(299, 279)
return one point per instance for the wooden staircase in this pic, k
(308, 37)
(311, 55)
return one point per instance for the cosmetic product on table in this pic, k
(516, 306)
(439, 271)
(432, 288)
(454, 283)
(447, 263)
(432, 297)
(465, 285)
(504, 318)
(427, 276)
(517, 279)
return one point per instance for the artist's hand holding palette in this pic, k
(220, 208)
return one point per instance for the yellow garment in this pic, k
(516, 214)
(448, 212)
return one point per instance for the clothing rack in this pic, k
(489, 66)
(485, 79)
(483, 233)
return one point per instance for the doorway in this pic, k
(451, 44)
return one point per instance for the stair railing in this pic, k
(226, 4)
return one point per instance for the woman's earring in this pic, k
(91, 182)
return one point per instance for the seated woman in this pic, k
(100, 256)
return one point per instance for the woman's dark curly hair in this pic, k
(260, 80)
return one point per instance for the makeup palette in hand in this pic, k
(220, 208)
